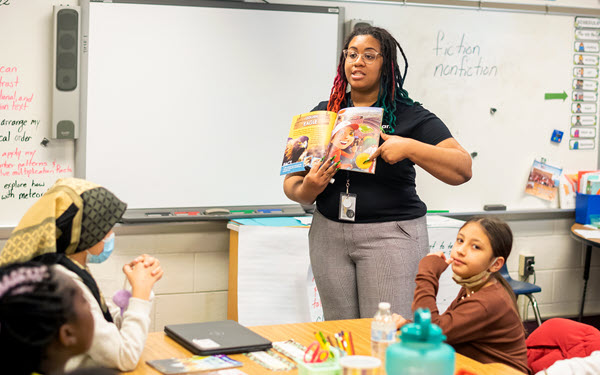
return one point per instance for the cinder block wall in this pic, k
(559, 261)
(195, 259)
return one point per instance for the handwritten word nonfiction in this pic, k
(470, 64)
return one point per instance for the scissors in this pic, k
(314, 353)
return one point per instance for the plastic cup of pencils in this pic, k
(360, 365)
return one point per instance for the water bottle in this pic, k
(383, 332)
(421, 350)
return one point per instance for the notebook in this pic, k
(220, 337)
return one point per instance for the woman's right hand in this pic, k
(304, 187)
(142, 273)
(318, 177)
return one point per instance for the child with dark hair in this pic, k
(44, 319)
(356, 263)
(69, 227)
(483, 321)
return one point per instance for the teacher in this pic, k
(373, 256)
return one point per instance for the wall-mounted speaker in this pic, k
(353, 24)
(65, 93)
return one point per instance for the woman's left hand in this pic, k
(393, 149)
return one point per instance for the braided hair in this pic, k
(391, 89)
(33, 307)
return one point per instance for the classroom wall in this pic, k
(195, 260)
(195, 256)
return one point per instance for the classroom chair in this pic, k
(526, 289)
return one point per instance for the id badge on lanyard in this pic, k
(347, 204)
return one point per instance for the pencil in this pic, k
(339, 341)
(323, 339)
(331, 341)
(351, 343)
(321, 344)
(347, 342)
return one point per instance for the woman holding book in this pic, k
(369, 230)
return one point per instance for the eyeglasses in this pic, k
(353, 56)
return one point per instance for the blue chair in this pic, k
(526, 289)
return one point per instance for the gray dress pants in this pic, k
(356, 266)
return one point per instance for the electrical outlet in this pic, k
(526, 263)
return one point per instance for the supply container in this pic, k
(586, 205)
(421, 350)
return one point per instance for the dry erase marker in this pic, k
(216, 211)
(269, 210)
(186, 213)
(242, 211)
(158, 214)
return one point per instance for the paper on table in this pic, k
(588, 233)
(306, 220)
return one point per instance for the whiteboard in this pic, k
(532, 55)
(27, 168)
(191, 105)
(528, 54)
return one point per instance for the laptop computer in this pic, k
(220, 337)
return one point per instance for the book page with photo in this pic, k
(355, 137)
(349, 137)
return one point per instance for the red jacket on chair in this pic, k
(558, 339)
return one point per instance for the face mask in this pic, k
(109, 245)
(474, 280)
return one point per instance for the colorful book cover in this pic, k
(543, 181)
(193, 364)
(349, 137)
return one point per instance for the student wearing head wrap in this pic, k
(69, 226)
(44, 319)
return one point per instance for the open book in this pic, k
(349, 136)
(172, 366)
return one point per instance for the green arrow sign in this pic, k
(560, 95)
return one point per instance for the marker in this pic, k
(242, 211)
(158, 214)
(437, 211)
(216, 211)
(269, 210)
(186, 213)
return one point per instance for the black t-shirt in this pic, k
(389, 194)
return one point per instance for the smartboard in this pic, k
(190, 103)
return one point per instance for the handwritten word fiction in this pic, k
(470, 62)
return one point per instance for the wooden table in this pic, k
(589, 244)
(159, 346)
